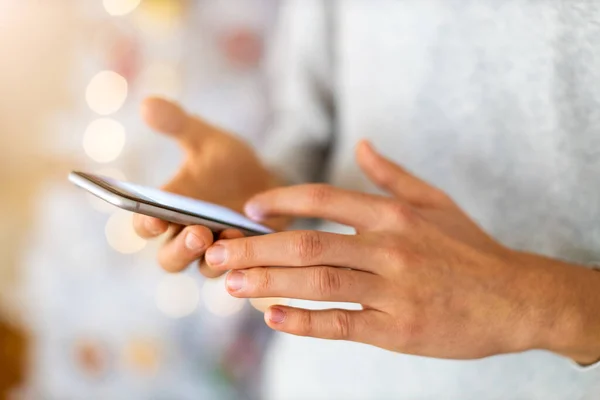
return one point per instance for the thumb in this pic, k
(396, 180)
(169, 118)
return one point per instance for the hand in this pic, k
(430, 281)
(217, 167)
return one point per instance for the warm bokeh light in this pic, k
(104, 140)
(161, 79)
(218, 301)
(142, 356)
(92, 356)
(120, 234)
(120, 7)
(158, 17)
(262, 304)
(177, 295)
(106, 92)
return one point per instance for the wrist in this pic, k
(566, 299)
(582, 343)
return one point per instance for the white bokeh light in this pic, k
(177, 295)
(120, 7)
(218, 301)
(104, 139)
(106, 93)
(262, 304)
(162, 79)
(120, 234)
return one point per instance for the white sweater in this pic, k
(495, 101)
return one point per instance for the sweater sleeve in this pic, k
(297, 142)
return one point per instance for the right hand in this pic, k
(217, 167)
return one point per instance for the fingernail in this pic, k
(193, 242)
(276, 315)
(216, 255)
(254, 212)
(235, 280)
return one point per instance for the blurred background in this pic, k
(85, 311)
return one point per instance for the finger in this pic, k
(396, 180)
(210, 272)
(149, 227)
(363, 326)
(169, 118)
(292, 249)
(231, 233)
(173, 231)
(308, 283)
(186, 247)
(359, 210)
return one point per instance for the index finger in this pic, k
(171, 119)
(360, 210)
(293, 249)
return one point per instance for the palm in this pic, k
(223, 170)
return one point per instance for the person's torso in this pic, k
(497, 103)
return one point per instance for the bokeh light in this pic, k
(120, 234)
(142, 356)
(161, 79)
(218, 301)
(106, 93)
(104, 139)
(120, 7)
(158, 17)
(91, 356)
(177, 295)
(262, 304)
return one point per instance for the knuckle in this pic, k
(326, 281)
(394, 252)
(262, 278)
(319, 194)
(402, 256)
(309, 246)
(342, 325)
(402, 214)
(246, 252)
(304, 325)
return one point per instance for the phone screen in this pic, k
(171, 201)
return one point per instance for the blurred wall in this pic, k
(36, 45)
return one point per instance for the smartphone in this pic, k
(166, 206)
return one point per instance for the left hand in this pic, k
(431, 282)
